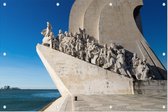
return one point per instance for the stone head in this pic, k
(101, 50)
(119, 51)
(71, 34)
(48, 24)
(105, 45)
(135, 55)
(144, 60)
(123, 51)
(60, 31)
(113, 45)
(66, 33)
(140, 61)
(75, 34)
(93, 42)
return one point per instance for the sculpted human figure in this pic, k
(105, 50)
(71, 45)
(87, 43)
(60, 35)
(66, 34)
(48, 35)
(95, 54)
(75, 34)
(135, 61)
(100, 59)
(82, 33)
(145, 72)
(90, 47)
(139, 70)
(114, 48)
(70, 34)
(78, 37)
(79, 49)
(51, 39)
(55, 44)
(109, 59)
(78, 41)
(120, 66)
(64, 44)
(109, 55)
(119, 62)
(142, 71)
(61, 47)
(46, 32)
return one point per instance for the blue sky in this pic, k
(21, 22)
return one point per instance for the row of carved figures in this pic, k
(114, 58)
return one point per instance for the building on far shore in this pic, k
(9, 88)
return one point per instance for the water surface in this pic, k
(26, 100)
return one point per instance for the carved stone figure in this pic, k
(105, 50)
(135, 61)
(46, 32)
(48, 36)
(66, 34)
(120, 66)
(90, 47)
(60, 35)
(70, 34)
(120, 60)
(109, 59)
(63, 45)
(145, 70)
(114, 48)
(139, 70)
(51, 37)
(79, 49)
(82, 33)
(101, 60)
(72, 43)
(55, 44)
(95, 54)
(142, 70)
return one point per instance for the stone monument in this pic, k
(103, 54)
(115, 21)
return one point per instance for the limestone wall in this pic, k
(79, 77)
(92, 16)
(78, 10)
(151, 87)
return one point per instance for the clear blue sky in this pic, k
(21, 22)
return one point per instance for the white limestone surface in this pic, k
(74, 76)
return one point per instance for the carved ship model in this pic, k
(74, 75)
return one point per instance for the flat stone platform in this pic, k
(121, 103)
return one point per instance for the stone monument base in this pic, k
(87, 87)
(101, 103)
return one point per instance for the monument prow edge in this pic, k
(75, 76)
